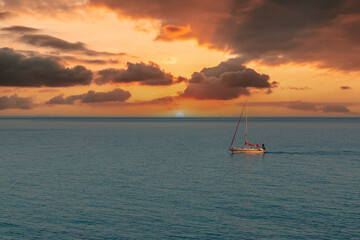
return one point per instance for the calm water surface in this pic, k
(103, 178)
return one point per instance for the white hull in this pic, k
(247, 150)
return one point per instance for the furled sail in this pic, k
(256, 144)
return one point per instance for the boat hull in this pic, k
(247, 150)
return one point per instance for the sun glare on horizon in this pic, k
(180, 114)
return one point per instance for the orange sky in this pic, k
(149, 58)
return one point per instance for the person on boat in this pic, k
(263, 146)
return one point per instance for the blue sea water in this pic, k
(169, 178)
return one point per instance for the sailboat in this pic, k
(248, 148)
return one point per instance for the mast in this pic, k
(237, 126)
(246, 123)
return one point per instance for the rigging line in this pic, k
(238, 124)
(246, 111)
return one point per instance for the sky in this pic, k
(167, 58)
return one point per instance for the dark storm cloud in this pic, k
(274, 25)
(42, 40)
(273, 31)
(18, 70)
(14, 101)
(277, 31)
(345, 87)
(117, 95)
(20, 29)
(335, 108)
(226, 81)
(145, 74)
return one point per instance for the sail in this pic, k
(255, 147)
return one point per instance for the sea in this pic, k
(174, 178)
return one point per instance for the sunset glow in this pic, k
(152, 58)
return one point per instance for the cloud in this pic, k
(42, 40)
(226, 81)
(335, 108)
(231, 65)
(170, 32)
(277, 32)
(202, 87)
(88, 61)
(307, 106)
(271, 31)
(345, 87)
(299, 88)
(20, 29)
(14, 101)
(20, 71)
(304, 106)
(145, 74)
(117, 95)
(48, 90)
(27, 36)
(5, 15)
(246, 78)
(45, 8)
(163, 100)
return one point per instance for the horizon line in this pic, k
(172, 117)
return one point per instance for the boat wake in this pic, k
(317, 153)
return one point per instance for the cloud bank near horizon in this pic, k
(116, 95)
(227, 81)
(14, 101)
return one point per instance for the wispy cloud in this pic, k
(116, 95)
(5, 15)
(299, 88)
(42, 40)
(308, 106)
(335, 108)
(20, 29)
(345, 87)
(89, 61)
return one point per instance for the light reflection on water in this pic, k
(156, 179)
